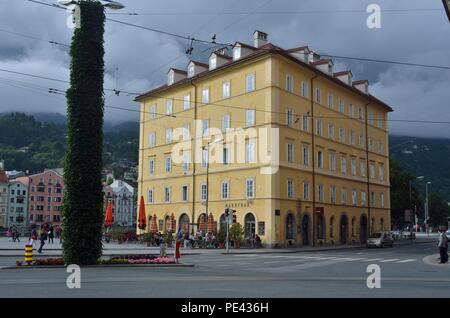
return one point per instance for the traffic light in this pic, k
(227, 212)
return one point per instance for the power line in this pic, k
(33, 38)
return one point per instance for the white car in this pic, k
(448, 234)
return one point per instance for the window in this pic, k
(330, 101)
(332, 163)
(306, 156)
(249, 188)
(341, 106)
(290, 83)
(290, 188)
(331, 131)
(203, 192)
(290, 152)
(380, 121)
(250, 117)
(225, 156)
(168, 135)
(360, 114)
(205, 156)
(213, 62)
(333, 194)
(361, 141)
(304, 89)
(353, 166)
(344, 196)
(352, 137)
(305, 191)
(250, 83)
(350, 110)
(382, 200)
(318, 99)
(289, 117)
(250, 152)
(167, 194)
(153, 112)
(341, 134)
(186, 102)
(152, 139)
(370, 117)
(225, 190)
(151, 166)
(363, 198)
(226, 90)
(205, 96)
(205, 127)
(372, 199)
(362, 167)
(237, 53)
(380, 147)
(354, 197)
(150, 196)
(321, 192)
(168, 164)
(185, 165)
(343, 165)
(381, 171)
(319, 159)
(371, 144)
(169, 107)
(372, 170)
(226, 123)
(12, 191)
(186, 132)
(184, 193)
(319, 127)
(305, 122)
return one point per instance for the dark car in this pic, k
(380, 239)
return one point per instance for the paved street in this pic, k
(406, 271)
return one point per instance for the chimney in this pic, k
(259, 39)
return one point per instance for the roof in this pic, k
(23, 180)
(3, 177)
(59, 171)
(320, 62)
(118, 185)
(177, 70)
(266, 49)
(199, 63)
(360, 82)
(250, 47)
(342, 73)
(300, 48)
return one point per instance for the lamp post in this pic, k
(410, 202)
(426, 207)
(207, 179)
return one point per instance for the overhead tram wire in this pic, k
(33, 38)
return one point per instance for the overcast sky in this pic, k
(137, 60)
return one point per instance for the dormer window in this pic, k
(213, 62)
(236, 53)
(171, 78)
(191, 70)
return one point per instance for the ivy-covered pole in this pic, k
(82, 213)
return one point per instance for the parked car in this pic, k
(380, 239)
(448, 234)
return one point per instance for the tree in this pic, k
(439, 210)
(82, 207)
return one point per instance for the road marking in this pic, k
(272, 262)
(223, 265)
(372, 260)
(390, 260)
(407, 260)
(241, 263)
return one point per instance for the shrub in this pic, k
(236, 233)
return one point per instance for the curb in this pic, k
(99, 266)
(433, 260)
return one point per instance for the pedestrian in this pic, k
(51, 234)
(443, 247)
(33, 236)
(42, 238)
(178, 242)
(16, 235)
(9, 234)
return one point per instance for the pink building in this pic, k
(45, 197)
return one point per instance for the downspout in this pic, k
(193, 154)
(313, 164)
(367, 170)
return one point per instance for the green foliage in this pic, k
(439, 210)
(236, 232)
(82, 208)
(168, 238)
(147, 237)
(222, 234)
(117, 233)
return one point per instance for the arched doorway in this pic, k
(305, 229)
(184, 222)
(250, 225)
(343, 235)
(166, 223)
(320, 227)
(363, 229)
(290, 227)
(222, 223)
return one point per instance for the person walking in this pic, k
(178, 242)
(42, 238)
(443, 247)
(16, 235)
(51, 234)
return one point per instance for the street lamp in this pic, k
(426, 206)
(207, 178)
(410, 201)
(447, 8)
(113, 5)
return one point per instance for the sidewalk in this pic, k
(110, 249)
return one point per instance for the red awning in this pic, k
(142, 222)
(109, 216)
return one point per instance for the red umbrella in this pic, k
(109, 216)
(153, 225)
(211, 224)
(202, 224)
(172, 227)
(142, 222)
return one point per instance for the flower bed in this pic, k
(116, 260)
(157, 260)
(42, 262)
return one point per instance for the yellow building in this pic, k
(286, 195)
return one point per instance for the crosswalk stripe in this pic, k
(372, 260)
(272, 262)
(407, 260)
(390, 260)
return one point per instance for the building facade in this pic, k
(3, 199)
(45, 196)
(122, 197)
(311, 166)
(17, 205)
